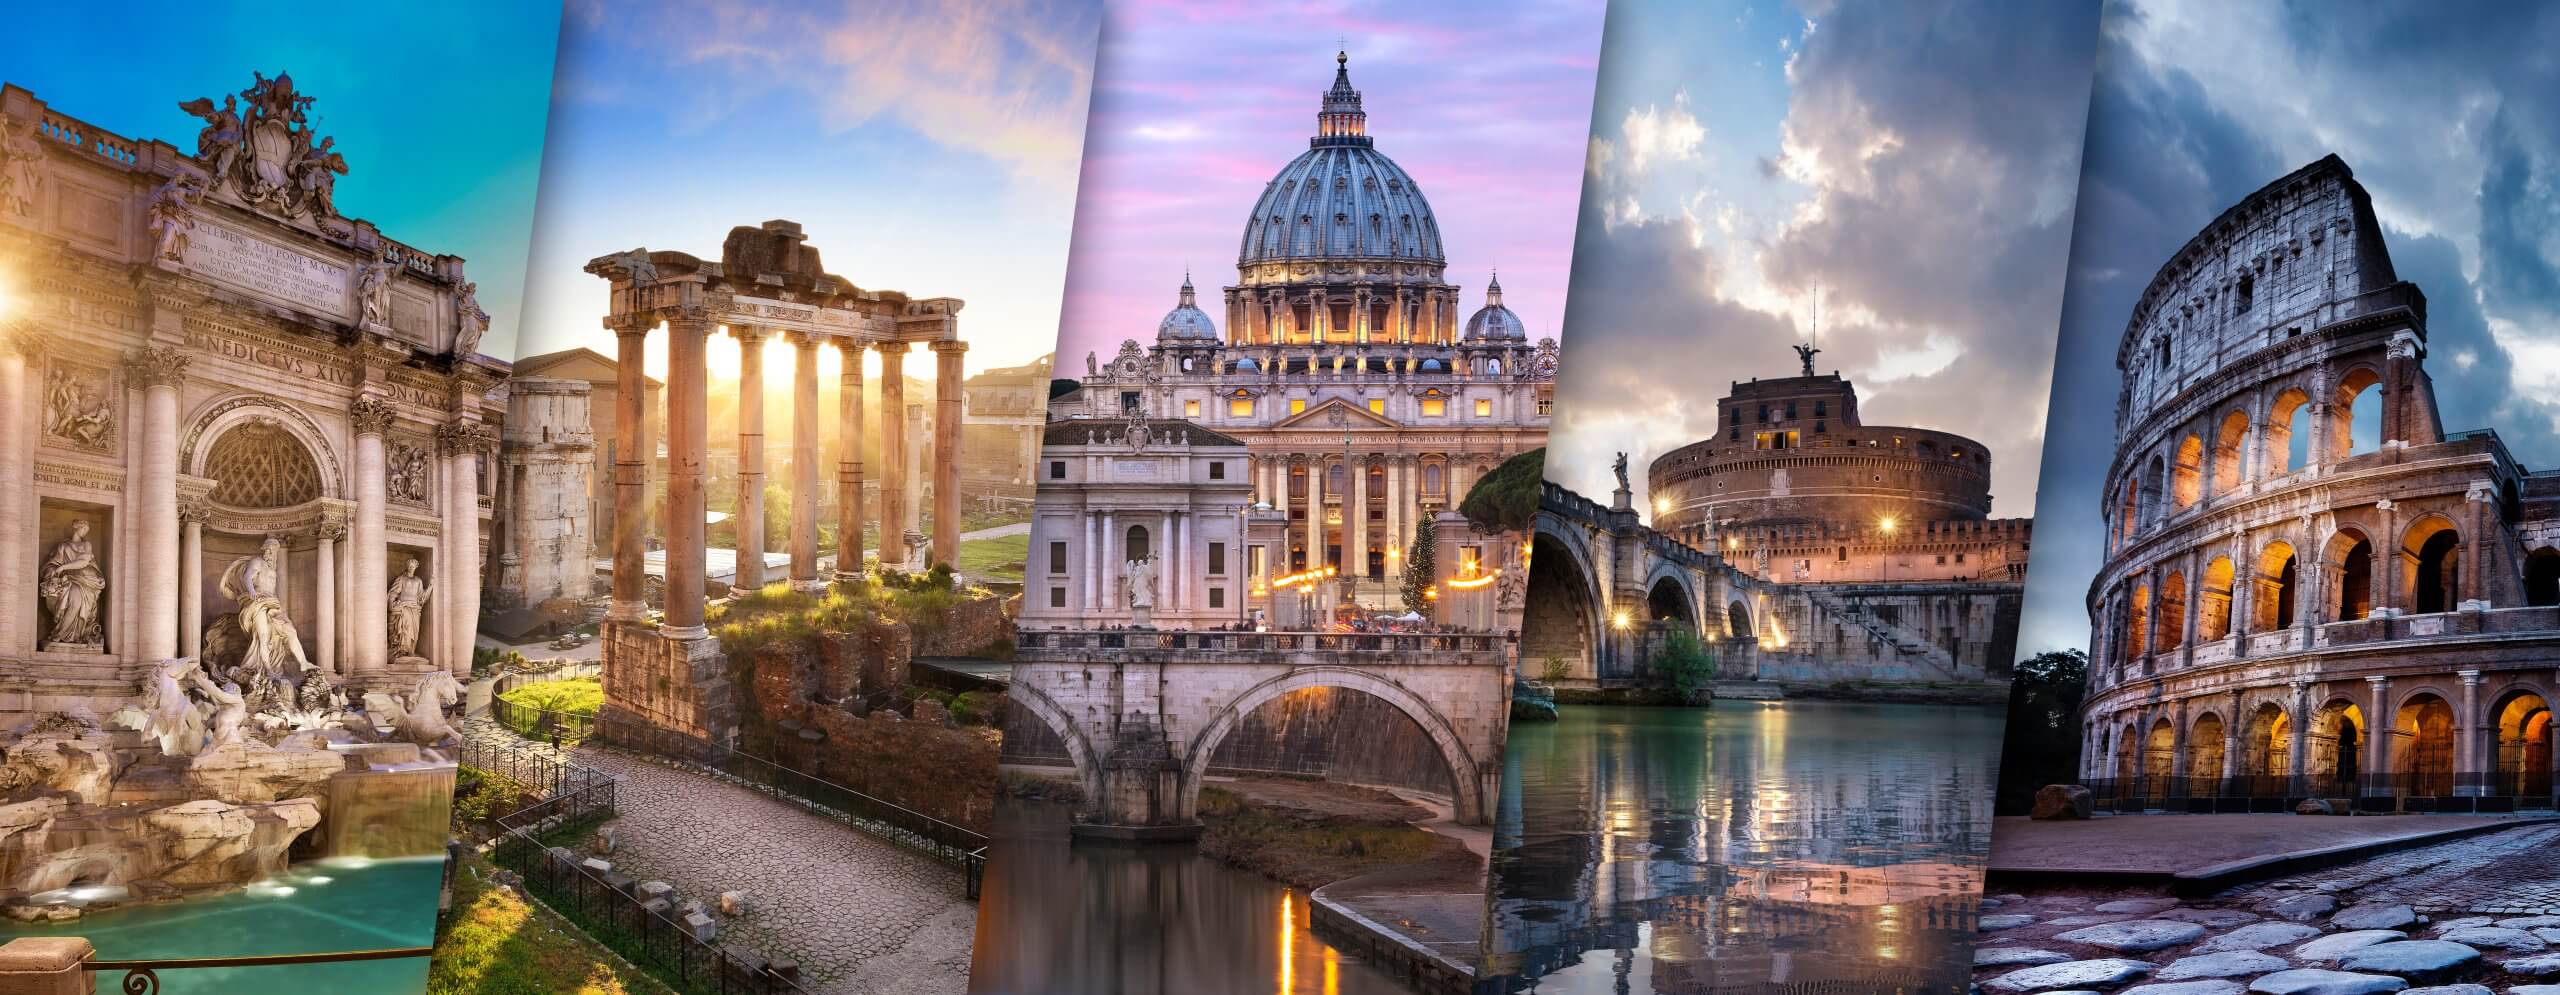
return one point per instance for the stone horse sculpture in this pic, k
(423, 721)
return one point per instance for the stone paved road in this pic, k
(860, 914)
(2472, 912)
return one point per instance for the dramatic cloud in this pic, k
(1915, 173)
(2447, 116)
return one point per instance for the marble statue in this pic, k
(22, 155)
(230, 708)
(271, 643)
(1142, 582)
(470, 320)
(1620, 468)
(168, 715)
(218, 144)
(422, 722)
(1805, 354)
(317, 172)
(172, 215)
(1092, 368)
(408, 594)
(70, 584)
(373, 288)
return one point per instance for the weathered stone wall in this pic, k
(664, 695)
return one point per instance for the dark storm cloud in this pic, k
(2161, 162)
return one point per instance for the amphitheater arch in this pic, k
(2422, 735)
(2137, 620)
(1463, 780)
(2431, 564)
(2213, 600)
(2266, 745)
(2205, 752)
(2542, 577)
(2335, 744)
(2230, 452)
(2356, 413)
(2350, 562)
(2521, 760)
(2160, 759)
(2186, 477)
(2288, 420)
(2276, 584)
(2173, 612)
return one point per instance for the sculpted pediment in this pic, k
(1336, 413)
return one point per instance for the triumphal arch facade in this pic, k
(665, 687)
(232, 419)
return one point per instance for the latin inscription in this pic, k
(231, 256)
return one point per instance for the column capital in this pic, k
(2470, 678)
(194, 510)
(948, 346)
(891, 348)
(749, 334)
(635, 323)
(370, 415)
(329, 531)
(2377, 682)
(852, 349)
(806, 340)
(152, 366)
(461, 438)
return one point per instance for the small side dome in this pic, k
(1494, 322)
(1431, 366)
(1186, 322)
(1247, 365)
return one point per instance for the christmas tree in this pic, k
(1419, 567)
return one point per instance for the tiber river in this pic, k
(1798, 847)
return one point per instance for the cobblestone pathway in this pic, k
(859, 914)
(2474, 916)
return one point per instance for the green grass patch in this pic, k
(1000, 559)
(496, 943)
(576, 696)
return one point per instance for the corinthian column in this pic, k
(18, 348)
(324, 633)
(461, 443)
(1315, 514)
(750, 506)
(687, 437)
(804, 463)
(849, 461)
(630, 474)
(370, 614)
(1355, 521)
(947, 415)
(158, 372)
(893, 452)
(191, 516)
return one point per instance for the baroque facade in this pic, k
(219, 395)
(2312, 589)
(1364, 403)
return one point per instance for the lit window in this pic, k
(1484, 407)
(1240, 407)
(1377, 405)
(1297, 405)
(1191, 409)
(1433, 407)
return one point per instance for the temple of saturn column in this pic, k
(665, 687)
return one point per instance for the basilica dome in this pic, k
(1342, 198)
(1493, 322)
(1186, 321)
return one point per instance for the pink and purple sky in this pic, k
(1197, 105)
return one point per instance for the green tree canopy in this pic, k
(1506, 500)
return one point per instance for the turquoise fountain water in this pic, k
(325, 906)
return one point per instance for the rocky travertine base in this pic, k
(2476, 916)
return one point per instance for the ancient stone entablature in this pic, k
(2311, 589)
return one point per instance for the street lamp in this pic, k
(1888, 524)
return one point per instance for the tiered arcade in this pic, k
(2312, 589)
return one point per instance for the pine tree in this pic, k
(1420, 567)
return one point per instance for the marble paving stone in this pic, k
(2514, 941)
(2417, 959)
(2215, 987)
(2105, 972)
(2313, 981)
(2259, 936)
(2226, 964)
(2139, 936)
(2336, 945)
(2016, 957)
(2374, 915)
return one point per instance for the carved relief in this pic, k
(77, 412)
(406, 472)
(263, 149)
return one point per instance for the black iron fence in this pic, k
(142, 977)
(2403, 792)
(605, 906)
(957, 845)
(542, 723)
(532, 767)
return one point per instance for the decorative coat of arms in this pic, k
(260, 145)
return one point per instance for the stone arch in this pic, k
(2422, 742)
(2213, 600)
(2266, 743)
(2173, 611)
(2205, 752)
(2271, 605)
(2155, 477)
(2355, 414)
(2521, 761)
(1079, 753)
(2431, 564)
(2186, 476)
(2334, 741)
(2542, 577)
(2128, 767)
(2137, 622)
(2128, 512)
(2160, 759)
(225, 414)
(2350, 562)
(1562, 611)
(1737, 621)
(2288, 417)
(1667, 597)
(2230, 451)
(1464, 782)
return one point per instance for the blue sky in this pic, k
(442, 131)
(1913, 163)
(2450, 117)
(925, 147)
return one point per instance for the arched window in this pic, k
(2173, 612)
(2542, 577)
(2358, 429)
(2230, 444)
(2276, 583)
(2137, 624)
(2433, 563)
(2213, 601)
(2354, 563)
(2289, 431)
(1134, 545)
(1431, 478)
(2186, 480)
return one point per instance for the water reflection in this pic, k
(1747, 847)
(1088, 919)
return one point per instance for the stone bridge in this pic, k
(1606, 591)
(1143, 711)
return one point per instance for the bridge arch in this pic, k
(1737, 620)
(1465, 786)
(1079, 753)
(1669, 596)
(1563, 610)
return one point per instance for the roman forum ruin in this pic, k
(665, 687)
(238, 423)
(2313, 590)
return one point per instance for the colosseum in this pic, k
(2312, 590)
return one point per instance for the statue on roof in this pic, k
(1805, 354)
